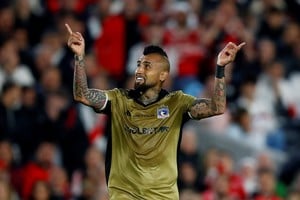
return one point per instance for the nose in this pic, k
(140, 70)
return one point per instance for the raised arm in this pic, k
(90, 97)
(203, 108)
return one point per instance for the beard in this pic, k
(141, 87)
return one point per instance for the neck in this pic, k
(149, 96)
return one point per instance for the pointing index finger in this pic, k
(69, 29)
(241, 45)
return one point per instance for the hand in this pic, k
(75, 42)
(227, 55)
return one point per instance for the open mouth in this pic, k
(139, 79)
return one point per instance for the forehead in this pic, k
(150, 58)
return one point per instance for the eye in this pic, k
(148, 66)
(138, 64)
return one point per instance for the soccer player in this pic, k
(146, 122)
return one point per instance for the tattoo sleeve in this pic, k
(90, 97)
(203, 108)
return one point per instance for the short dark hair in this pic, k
(154, 49)
(8, 85)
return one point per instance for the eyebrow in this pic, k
(144, 62)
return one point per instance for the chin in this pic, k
(138, 86)
(141, 87)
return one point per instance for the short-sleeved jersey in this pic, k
(141, 160)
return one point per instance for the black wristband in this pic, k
(78, 58)
(220, 72)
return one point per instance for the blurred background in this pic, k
(54, 148)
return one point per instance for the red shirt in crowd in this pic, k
(31, 173)
(264, 197)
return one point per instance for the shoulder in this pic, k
(120, 93)
(182, 99)
(176, 93)
(181, 94)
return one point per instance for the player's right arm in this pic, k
(91, 97)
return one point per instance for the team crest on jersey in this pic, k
(163, 112)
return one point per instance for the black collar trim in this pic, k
(134, 94)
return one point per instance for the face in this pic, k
(267, 183)
(188, 172)
(41, 190)
(93, 157)
(150, 72)
(189, 141)
(222, 185)
(4, 190)
(6, 153)
(226, 164)
(46, 153)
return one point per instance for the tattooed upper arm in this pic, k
(201, 108)
(95, 98)
(209, 107)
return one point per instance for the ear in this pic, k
(163, 76)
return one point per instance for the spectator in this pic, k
(246, 94)
(293, 195)
(188, 194)
(94, 182)
(189, 177)
(185, 41)
(288, 40)
(275, 95)
(7, 192)
(10, 101)
(29, 17)
(8, 20)
(59, 183)
(11, 68)
(38, 170)
(220, 190)
(210, 166)
(189, 146)
(273, 23)
(267, 185)
(189, 161)
(10, 165)
(248, 172)
(62, 125)
(242, 131)
(40, 191)
(29, 114)
(226, 168)
(119, 34)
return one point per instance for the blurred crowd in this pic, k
(54, 148)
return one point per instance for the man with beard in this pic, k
(146, 122)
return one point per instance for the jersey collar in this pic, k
(134, 94)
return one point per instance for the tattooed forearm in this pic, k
(80, 81)
(219, 97)
(203, 108)
(91, 97)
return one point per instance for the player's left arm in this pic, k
(216, 105)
